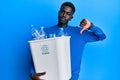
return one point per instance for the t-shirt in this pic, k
(77, 43)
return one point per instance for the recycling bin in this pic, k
(52, 55)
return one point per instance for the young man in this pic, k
(87, 32)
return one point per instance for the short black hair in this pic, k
(70, 4)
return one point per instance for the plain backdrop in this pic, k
(101, 60)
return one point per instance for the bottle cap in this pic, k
(61, 28)
(50, 35)
(42, 27)
(32, 26)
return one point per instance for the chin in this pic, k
(62, 22)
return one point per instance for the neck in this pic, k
(62, 25)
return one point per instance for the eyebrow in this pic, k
(62, 9)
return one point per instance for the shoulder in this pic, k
(50, 29)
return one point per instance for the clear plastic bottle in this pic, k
(35, 33)
(52, 35)
(42, 33)
(61, 32)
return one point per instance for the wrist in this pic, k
(90, 26)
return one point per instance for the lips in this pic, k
(62, 19)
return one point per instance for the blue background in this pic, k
(101, 60)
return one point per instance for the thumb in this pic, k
(83, 29)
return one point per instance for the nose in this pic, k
(64, 14)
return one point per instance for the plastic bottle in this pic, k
(61, 32)
(35, 33)
(42, 33)
(52, 35)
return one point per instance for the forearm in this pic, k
(97, 32)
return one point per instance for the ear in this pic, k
(59, 12)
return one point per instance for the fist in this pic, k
(85, 24)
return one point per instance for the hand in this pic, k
(85, 24)
(37, 76)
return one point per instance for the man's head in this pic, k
(66, 12)
(71, 5)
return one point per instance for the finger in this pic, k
(37, 76)
(40, 74)
(43, 73)
(83, 22)
(34, 77)
(82, 30)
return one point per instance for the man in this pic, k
(87, 32)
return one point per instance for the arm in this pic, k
(90, 32)
(97, 32)
(34, 75)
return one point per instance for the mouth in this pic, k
(62, 19)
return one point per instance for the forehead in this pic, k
(67, 8)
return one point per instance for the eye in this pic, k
(68, 13)
(61, 11)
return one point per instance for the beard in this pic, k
(62, 20)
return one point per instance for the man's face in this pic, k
(65, 14)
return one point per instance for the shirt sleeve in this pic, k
(93, 34)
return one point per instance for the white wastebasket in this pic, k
(52, 56)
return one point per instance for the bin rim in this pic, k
(32, 41)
